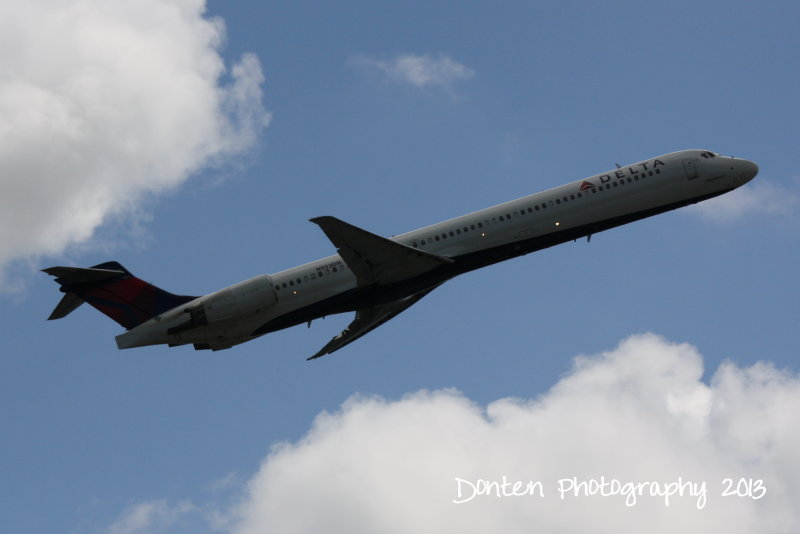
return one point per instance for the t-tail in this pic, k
(113, 290)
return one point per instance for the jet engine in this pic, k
(238, 301)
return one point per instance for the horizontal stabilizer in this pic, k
(77, 275)
(66, 305)
(68, 276)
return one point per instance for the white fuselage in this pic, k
(577, 209)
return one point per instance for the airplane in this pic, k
(378, 277)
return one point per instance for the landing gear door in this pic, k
(690, 167)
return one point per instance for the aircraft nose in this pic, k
(747, 171)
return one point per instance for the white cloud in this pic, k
(638, 413)
(417, 70)
(224, 483)
(762, 198)
(105, 102)
(150, 516)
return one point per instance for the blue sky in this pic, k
(157, 439)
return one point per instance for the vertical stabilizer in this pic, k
(112, 289)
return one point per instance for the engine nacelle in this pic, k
(238, 301)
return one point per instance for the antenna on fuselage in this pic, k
(618, 165)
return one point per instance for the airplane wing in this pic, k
(375, 259)
(367, 320)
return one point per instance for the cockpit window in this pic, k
(708, 155)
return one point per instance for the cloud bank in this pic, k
(150, 516)
(417, 70)
(637, 414)
(103, 103)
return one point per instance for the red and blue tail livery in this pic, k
(113, 290)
